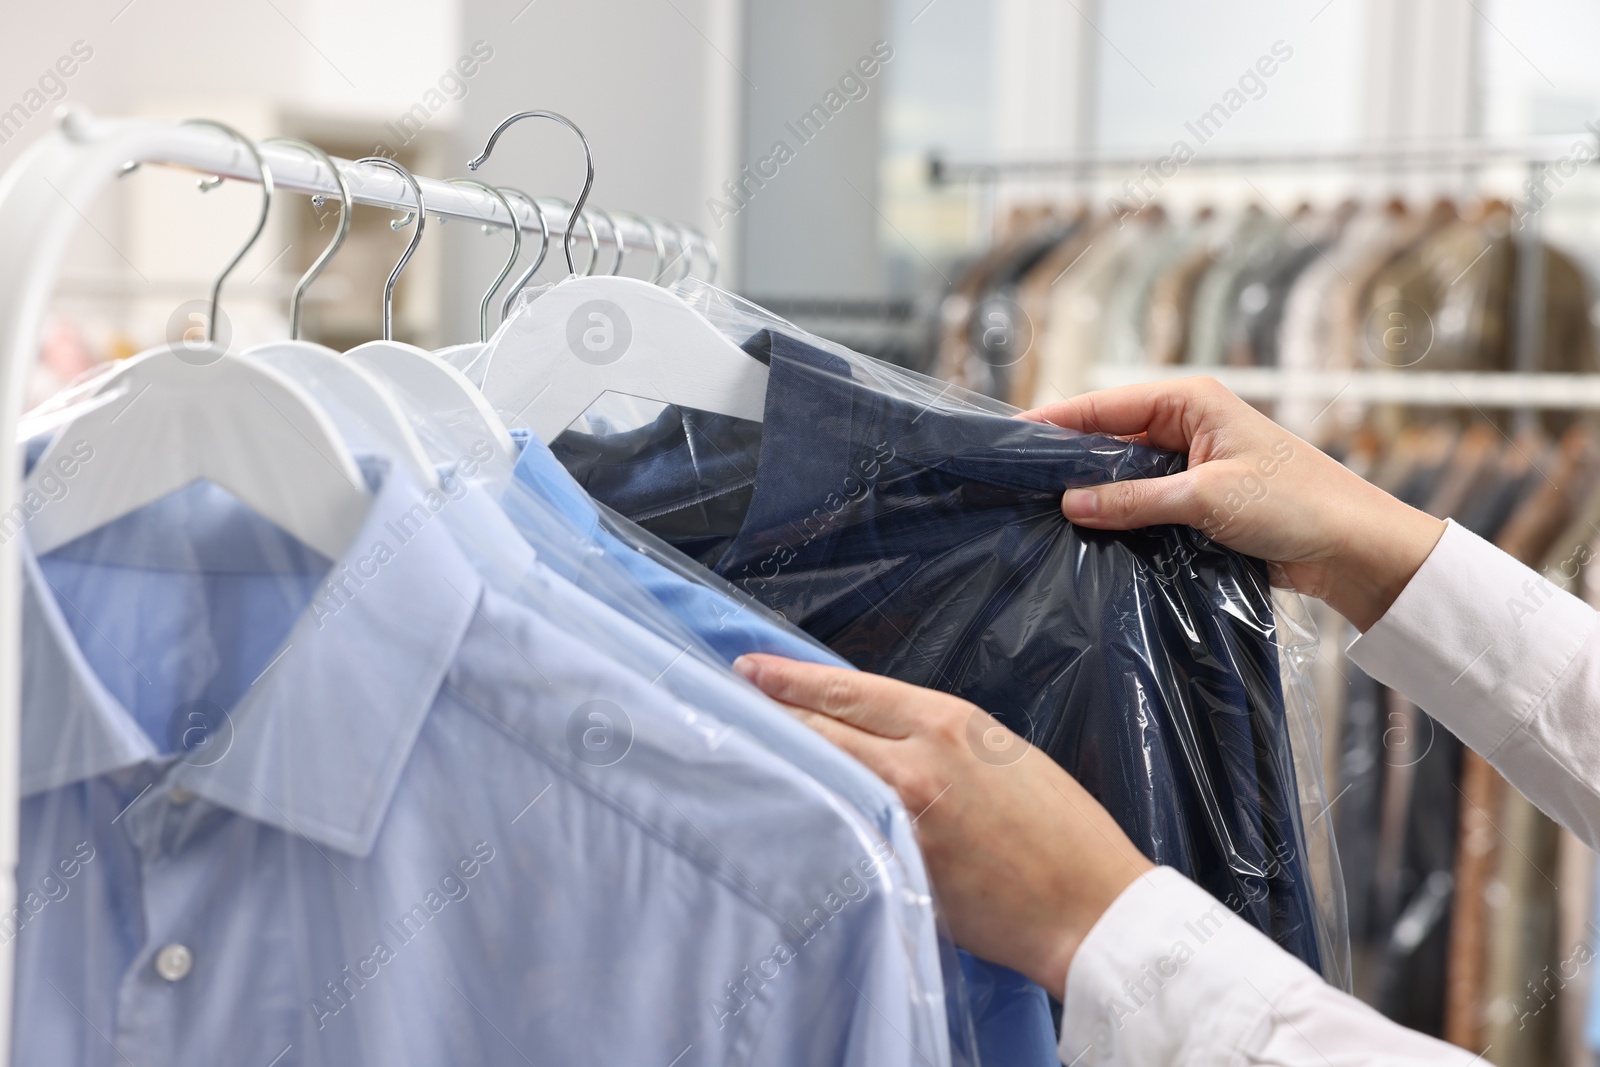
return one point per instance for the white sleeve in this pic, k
(1170, 977)
(1508, 663)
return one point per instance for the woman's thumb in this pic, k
(1131, 504)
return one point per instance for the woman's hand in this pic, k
(1024, 861)
(1254, 487)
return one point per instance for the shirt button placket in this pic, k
(154, 993)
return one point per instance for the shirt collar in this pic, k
(317, 744)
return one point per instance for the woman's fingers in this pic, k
(1162, 411)
(869, 748)
(1132, 504)
(868, 702)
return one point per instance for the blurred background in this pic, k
(1028, 198)
(679, 97)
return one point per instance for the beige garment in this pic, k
(953, 362)
(1071, 344)
(1575, 864)
(1034, 297)
(1460, 279)
(1346, 345)
(1168, 314)
(1319, 300)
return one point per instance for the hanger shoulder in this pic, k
(351, 393)
(433, 383)
(589, 336)
(240, 425)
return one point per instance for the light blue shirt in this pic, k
(513, 562)
(992, 1013)
(355, 813)
(729, 621)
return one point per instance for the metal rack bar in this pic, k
(1485, 389)
(1441, 155)
(207, 151)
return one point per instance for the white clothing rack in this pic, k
(42, 199)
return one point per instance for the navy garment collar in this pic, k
(826, 426)
(318, 742)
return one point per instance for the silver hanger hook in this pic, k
(421, 215)
(544, 249)
(655, 239)
(588, 156)
(594, 244)
(685, 252)
(713, 261)
(616, 239)
(660, 244)
(594, 239)
(505, 271)
(261, 222)
(311, 275)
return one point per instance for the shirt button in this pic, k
(179, 795)
(174, 962)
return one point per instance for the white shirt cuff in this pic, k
(1475, 639)
(1168, 972)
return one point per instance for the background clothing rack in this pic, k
(43, 196)
(1446, 155)
(1524, 390)
(1490, 390)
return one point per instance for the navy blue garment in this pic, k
(927, 544)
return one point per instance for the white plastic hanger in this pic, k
(589, 336)
(421, 382)
(365, 413)
(193, 412)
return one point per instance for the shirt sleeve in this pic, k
(1170, 976)
(1508, 663)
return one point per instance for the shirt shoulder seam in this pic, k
(537, 751)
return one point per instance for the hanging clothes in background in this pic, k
(1466, 918)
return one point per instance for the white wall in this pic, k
(646, 80)
(813, 229)
(654, 85)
